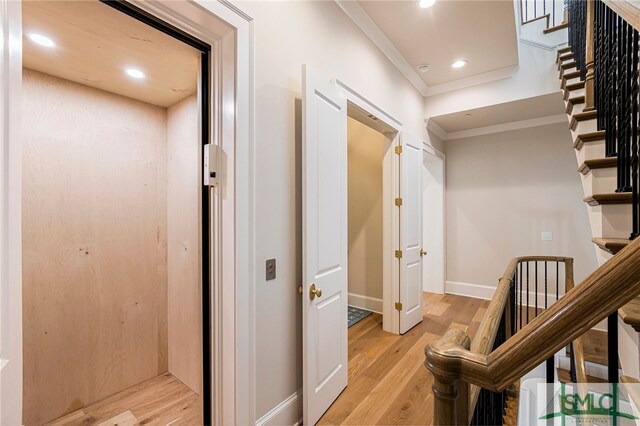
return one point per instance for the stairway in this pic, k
(609, 212)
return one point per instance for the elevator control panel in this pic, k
(211, 162)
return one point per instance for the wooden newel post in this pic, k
(450, 395)
(589, 55)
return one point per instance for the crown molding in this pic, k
(363, 21)
(382, 42)
(497, 128)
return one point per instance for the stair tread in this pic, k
(556, 28)
(611, 245)
(630, 314)
(582, 116)
(565, 77)
(609, 198)
(576, 100)
(564, 376)
(598, 163)
(628, 379)
(583, 138)
(568, 65)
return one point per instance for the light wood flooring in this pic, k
(388, 383)
(163, 400)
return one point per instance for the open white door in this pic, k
(324, 295)
(410, 232)
(10, 214)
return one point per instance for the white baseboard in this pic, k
(288, 412)
(481, 291)
(372, 304)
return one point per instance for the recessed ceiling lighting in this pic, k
(42, 40)
(426, 3)
(459, 63)
(134, 73)
(423, 68)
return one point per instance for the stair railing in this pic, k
(554, 11)
(457, 365)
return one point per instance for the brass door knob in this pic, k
(423, 252)
(314, 292)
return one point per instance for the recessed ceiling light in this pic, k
(426, 3)
(423, 68)
(459, 63)
(42, 40)
(134, 73)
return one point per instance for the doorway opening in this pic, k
(370, 223)
(115, 248)
(433, 222)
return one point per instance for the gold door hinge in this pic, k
(398, 149)
(398, 306)
(398, 202)
(399, 254)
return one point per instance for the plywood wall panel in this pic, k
(94, 241)
(183, 188)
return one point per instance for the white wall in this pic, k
(503, 190)
(365, 155)
(287, 35)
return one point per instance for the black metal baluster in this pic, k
(545, 285)
(535, 297)
(634, 134)
(557, 280)
(527, 307)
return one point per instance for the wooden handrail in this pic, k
(486, 334)
(610, 287)
(626, 10)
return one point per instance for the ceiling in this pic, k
(482, 32)
(538, 107)
(96, 43)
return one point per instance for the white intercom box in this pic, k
(211, 161)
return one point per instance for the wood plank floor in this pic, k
(388, 383)
(162, 400)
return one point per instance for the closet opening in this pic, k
(116, 261)
(370, 226)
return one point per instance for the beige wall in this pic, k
(287, 35)
(183, 243)
(502, 191)
(365, 155)
(94, 245)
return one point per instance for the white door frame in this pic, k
(430, 150)
(390, 186)
(230, 33)
(10, 214)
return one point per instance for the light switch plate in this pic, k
(546, 236)
(271, 269)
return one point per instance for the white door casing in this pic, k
(10, 214)
(324, 170)
(410, 232)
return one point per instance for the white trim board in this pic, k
(496, 128)
(372, 304)
(286, 413)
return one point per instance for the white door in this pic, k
(10, 214)
(433, 223)
(410, 232)
(324, 296)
